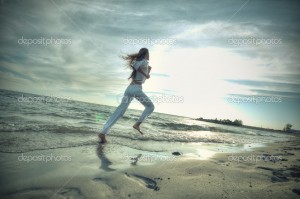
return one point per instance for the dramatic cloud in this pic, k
(233, 47)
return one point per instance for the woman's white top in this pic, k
(143, 65)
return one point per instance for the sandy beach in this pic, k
(196, 99)
(94, 172)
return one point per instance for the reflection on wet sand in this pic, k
(105, 162)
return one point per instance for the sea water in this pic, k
(29, 123)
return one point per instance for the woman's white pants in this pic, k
(132, 91)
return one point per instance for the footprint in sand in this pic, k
(144, 181)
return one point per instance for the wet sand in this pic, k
(93, 172)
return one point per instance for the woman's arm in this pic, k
(149, 69)
(146, 75)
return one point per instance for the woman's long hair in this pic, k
(135, 57)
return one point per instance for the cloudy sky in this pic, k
(210, 54)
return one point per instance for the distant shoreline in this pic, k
(248, 127)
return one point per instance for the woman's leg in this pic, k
(149, 107)
(119, 112)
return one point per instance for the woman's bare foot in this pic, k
(102, 138)
(137, 127)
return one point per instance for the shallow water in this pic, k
(31, 126)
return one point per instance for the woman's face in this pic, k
(147, 56)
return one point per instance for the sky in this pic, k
(231, 59)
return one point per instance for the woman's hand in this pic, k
(149, 69)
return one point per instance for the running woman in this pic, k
(138, 62)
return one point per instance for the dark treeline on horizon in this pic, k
(236, 122)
